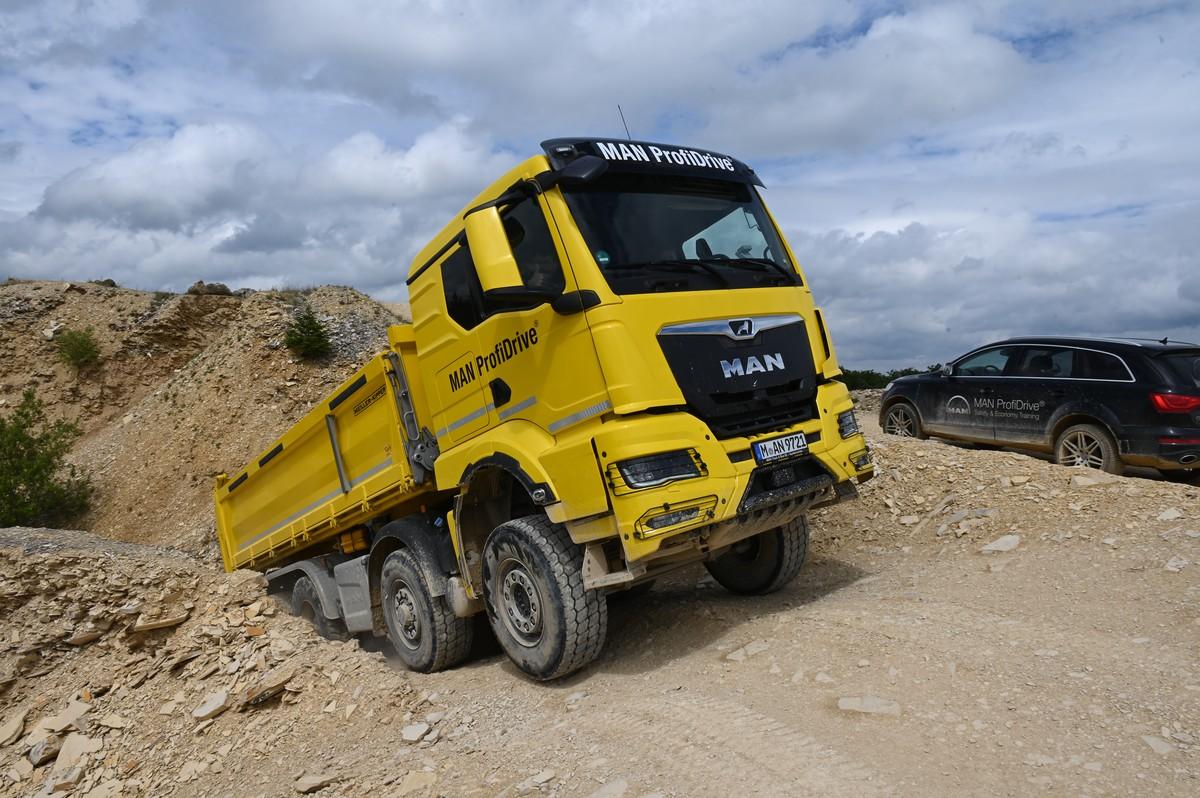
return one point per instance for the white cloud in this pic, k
(166, 183)
(445, 160)
(947, 171)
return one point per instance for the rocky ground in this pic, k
(978, 623)
(188, 385)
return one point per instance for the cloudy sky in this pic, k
(947, 173)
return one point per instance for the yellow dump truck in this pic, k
(615, 368)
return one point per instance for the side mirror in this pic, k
(493, 257)
(583, 169)
(579, 171)
(946, 370)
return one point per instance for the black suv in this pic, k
(1100, 403)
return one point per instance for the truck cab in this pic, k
(621, 339)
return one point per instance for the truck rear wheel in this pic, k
(544, 619)
(306, 603)
(764, 563)
(424, 631)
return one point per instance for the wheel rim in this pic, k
(404, 613)
(1082, 449)
(521, 603)
(747, 550)
(899, 422)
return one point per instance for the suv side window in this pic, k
(533, 247)
(1047, 361)
(463, 293)
(989, 363)
(1103, 366)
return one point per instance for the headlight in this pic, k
(847, 424)
(655, 469)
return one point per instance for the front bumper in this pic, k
(734, 491)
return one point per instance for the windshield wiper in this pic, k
(786, 274)
(673, 264)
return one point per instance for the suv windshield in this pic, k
(651, 233)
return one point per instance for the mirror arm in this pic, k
(574, 302)
(515, 193)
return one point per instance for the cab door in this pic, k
(450, 347)
(537, 365)
(962, 405)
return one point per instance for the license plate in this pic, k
(779, 448)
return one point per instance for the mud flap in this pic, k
(354, 591)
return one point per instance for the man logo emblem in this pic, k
(742, 328)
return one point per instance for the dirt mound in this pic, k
(188, 386)
(937, 492)
(128, 670)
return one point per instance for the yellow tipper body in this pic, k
(340, 465)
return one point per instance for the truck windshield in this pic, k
(652, 233)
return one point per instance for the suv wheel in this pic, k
(1089, 446)
(901, 419)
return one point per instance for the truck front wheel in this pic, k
(544, 619)
(763, 563)
(424, 631)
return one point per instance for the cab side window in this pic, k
(533, 247)
(1050, 361)
(989, 363)
(463, 293)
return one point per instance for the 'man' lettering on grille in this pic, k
(741, 367)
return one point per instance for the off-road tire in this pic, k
(764, 563)
(1095, 442)
(906, 418)
(436, 638)
(557, 628)
(306, 603)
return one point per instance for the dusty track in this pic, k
(1065, 666)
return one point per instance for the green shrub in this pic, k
(858, 379)
(36, 487)
(78, 348)
(307, 336)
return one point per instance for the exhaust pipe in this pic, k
(1188, 459)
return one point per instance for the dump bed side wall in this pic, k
(292, 500)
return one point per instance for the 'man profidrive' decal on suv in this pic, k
(996, 407)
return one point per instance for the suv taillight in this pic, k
(1175, 402)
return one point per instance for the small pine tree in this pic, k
(36, 487)
(78, 348)
(307, 336)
